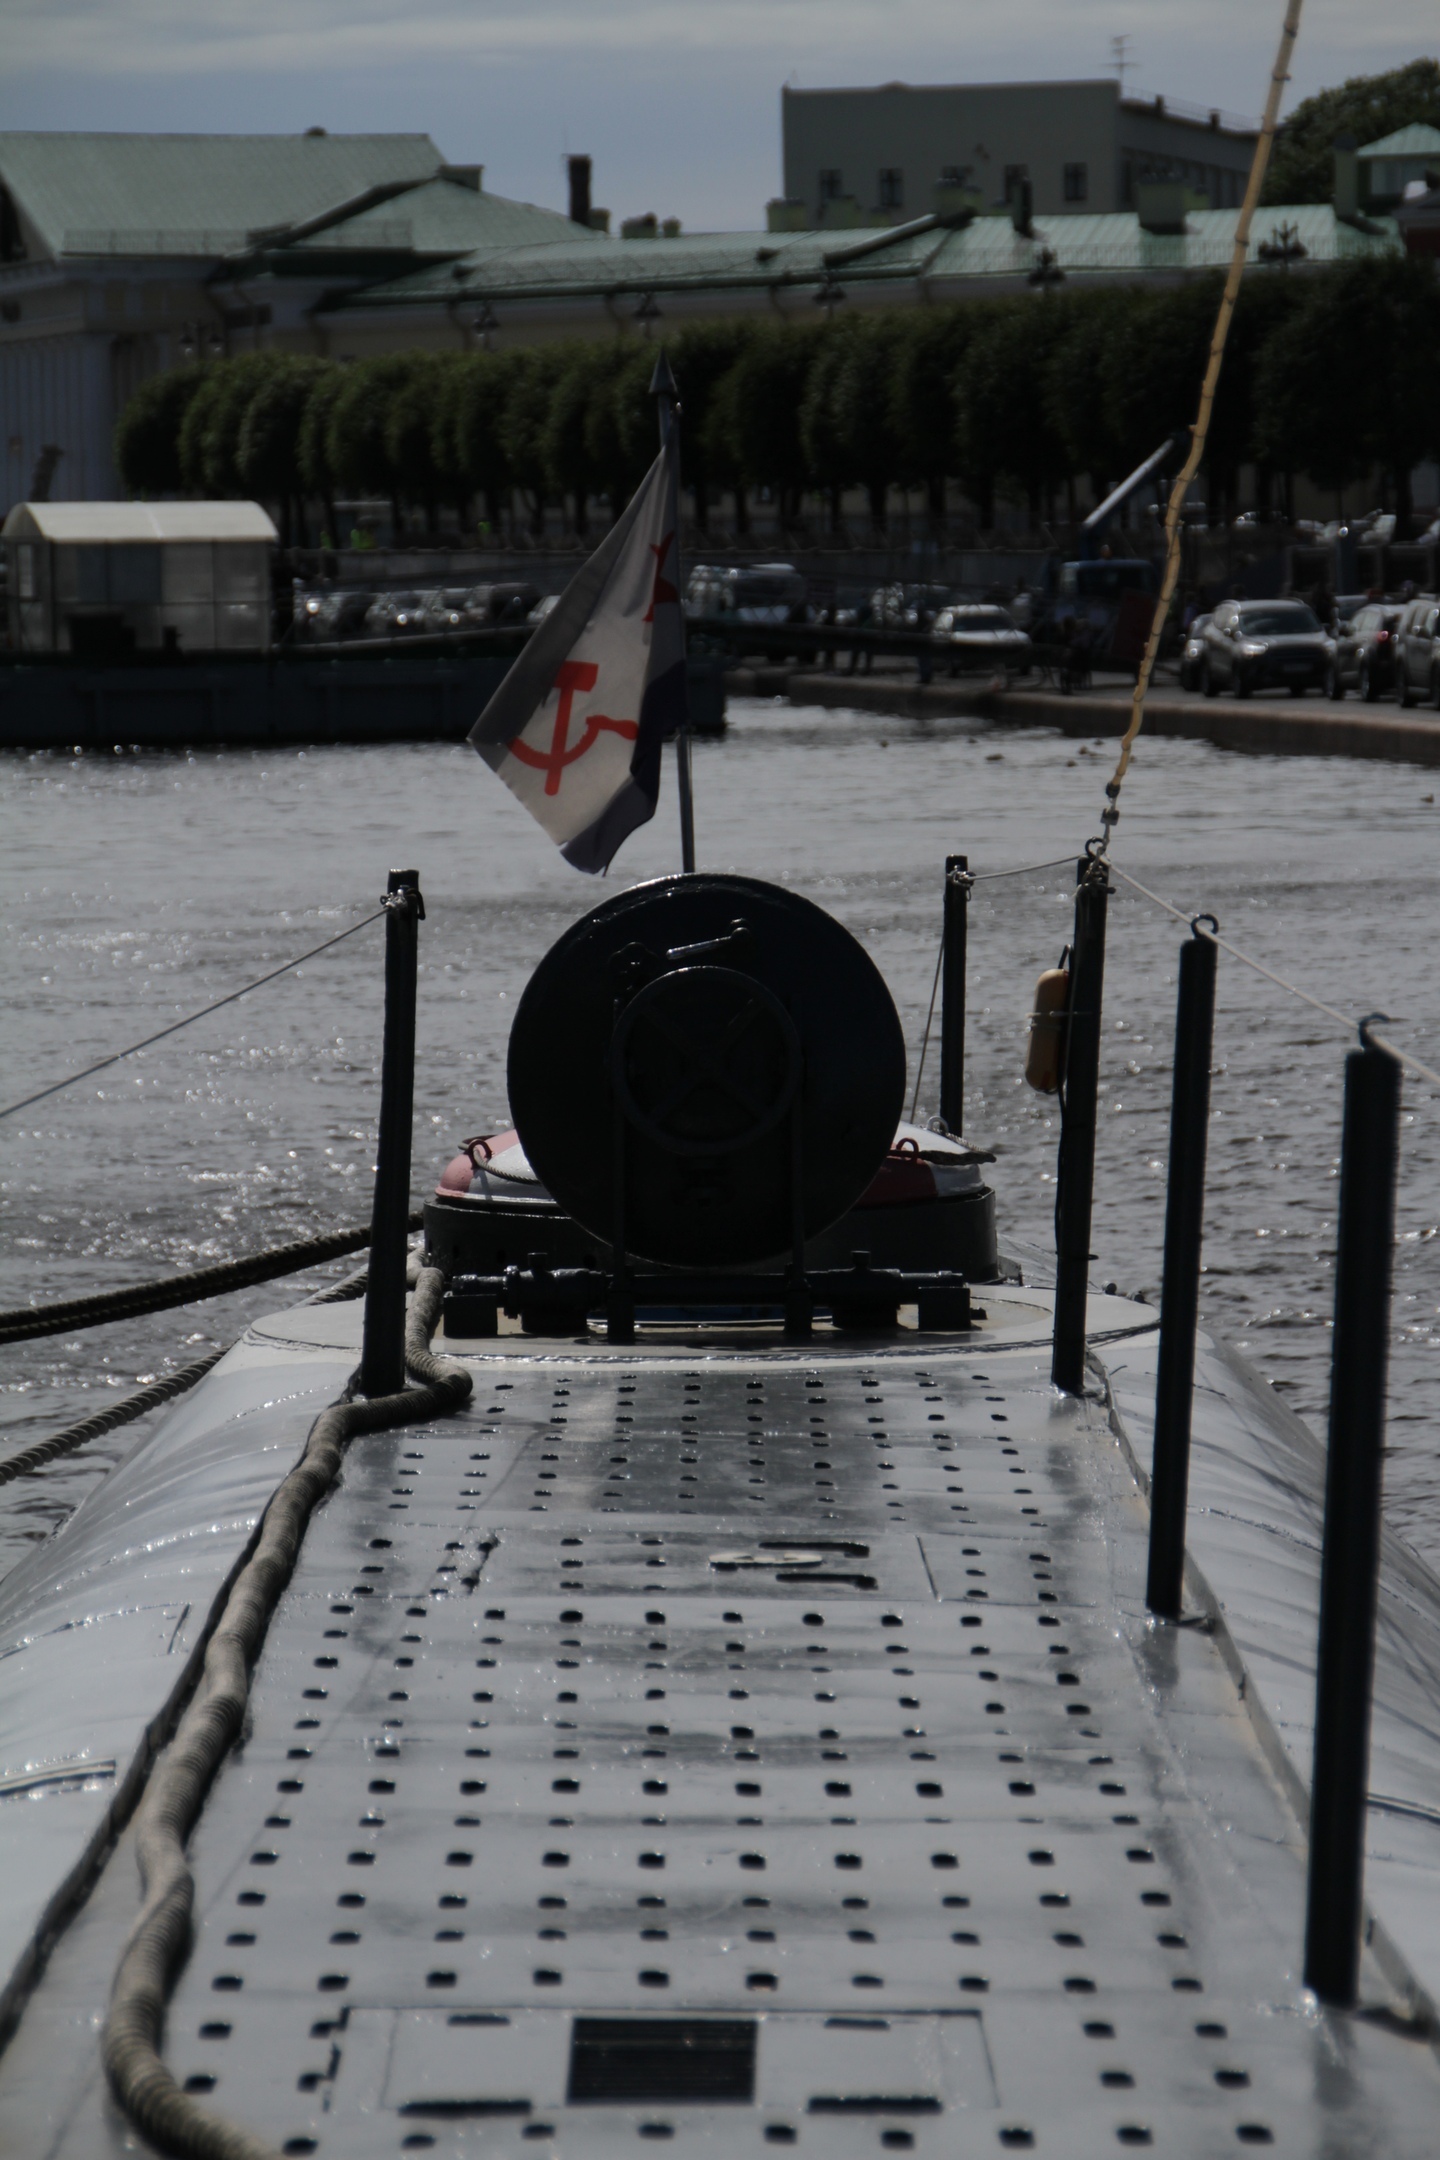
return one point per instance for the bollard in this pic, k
(1180, 1294)
(382, 1358)
(1077, 1127)
(952, 992)
(1350, 1560)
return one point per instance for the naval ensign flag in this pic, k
(575, 729)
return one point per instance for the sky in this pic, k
(677, 101)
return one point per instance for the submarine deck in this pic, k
(734, 1749)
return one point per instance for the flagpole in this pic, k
(664, 389)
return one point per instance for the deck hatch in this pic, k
(642, 2060)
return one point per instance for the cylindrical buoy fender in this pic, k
(1046, 1045)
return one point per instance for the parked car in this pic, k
(982, 636)
(751, 592)
(910, 607)
(1363, 652)
(1263, 644)
(1192, 652)
(395, 614)
(512, 601)
(1417, 669)
(449, 610)
(325, 616)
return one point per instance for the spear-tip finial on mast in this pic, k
(662, 382)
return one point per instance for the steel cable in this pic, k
(1346, 1020)
(103, 1064)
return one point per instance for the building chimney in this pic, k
(1347, 179)
(579, 168)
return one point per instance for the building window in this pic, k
(892, 188)
(831, 185)
(956, 175)
(1077, 183)
(1015, 176)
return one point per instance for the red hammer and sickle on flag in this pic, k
(662, 590)
(573, 675)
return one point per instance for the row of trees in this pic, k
(1327, 373)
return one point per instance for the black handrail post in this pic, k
(1180, 1294)
(1077, 1126)
(1350, 1560)
(382, 1357)
(952, 992)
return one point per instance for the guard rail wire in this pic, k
(24, 1322)
(56, 1087)
(143, 2086)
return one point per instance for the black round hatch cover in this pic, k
(701, 1028)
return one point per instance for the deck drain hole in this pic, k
(458, 2110)
(648, 2059)
(873, 2104)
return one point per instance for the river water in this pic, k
(135, 887)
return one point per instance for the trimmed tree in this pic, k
(1003, 428)
(267, 453)
(147, 434)
(929, 351)
(312, 446)
(757, 412)
(210, 431)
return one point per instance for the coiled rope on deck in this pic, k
(121, 1413)
(22, 1322)
(144, 2087)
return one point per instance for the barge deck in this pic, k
(734, 1747)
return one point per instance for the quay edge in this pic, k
(1273, 728)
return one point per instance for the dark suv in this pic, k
(1417, 663)
(1262, 645)
(1364, 652)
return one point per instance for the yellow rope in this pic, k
(1280, 75)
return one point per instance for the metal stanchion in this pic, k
(1350, 1561)
(1077, 1128)
(382, 1358)
(952, 992)
(1180, 1296)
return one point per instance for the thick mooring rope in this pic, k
(23, 1322)
(145, 2089)
(121, 1413)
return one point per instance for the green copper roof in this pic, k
(1417, 140)
(148, 195)
(445, 217)
(1107, 245)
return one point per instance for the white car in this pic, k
(753, 593)
(983, 634)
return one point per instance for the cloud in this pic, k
(177, 37)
